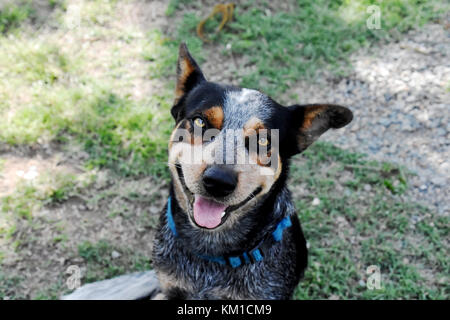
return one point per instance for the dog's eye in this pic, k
(199, 122)
(263, 141)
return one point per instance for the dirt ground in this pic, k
(400, 96)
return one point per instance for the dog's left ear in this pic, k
(309, 122)
(188, 76)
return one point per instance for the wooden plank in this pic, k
(138, 285)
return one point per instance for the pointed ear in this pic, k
(188, 74)
(309, 122)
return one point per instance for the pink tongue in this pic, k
(207, 213)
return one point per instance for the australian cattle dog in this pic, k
(230, 229)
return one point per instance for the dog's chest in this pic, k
(192, 278)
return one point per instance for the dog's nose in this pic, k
(219, 181)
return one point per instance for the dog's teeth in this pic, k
(223, 213)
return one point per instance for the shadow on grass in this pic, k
(14, 13)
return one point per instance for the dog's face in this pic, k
(229, 144)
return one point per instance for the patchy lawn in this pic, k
(85, 116)
(355, 214)
(274, 44)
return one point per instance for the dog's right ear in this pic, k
(189, 75)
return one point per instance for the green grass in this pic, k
(59, 103)
(16, 13)
(128, 138)
(9, 286)
(164, 57)
(174, 5)
(53, 292)
(353, 228)
(51, 188)
(13, 15)
(101, 265)
(284, 47)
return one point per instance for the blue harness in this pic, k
(253, 255)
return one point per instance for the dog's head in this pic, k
(230, 144)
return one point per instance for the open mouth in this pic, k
(208, 213)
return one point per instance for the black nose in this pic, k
(219, 181)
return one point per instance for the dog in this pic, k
(230, 230)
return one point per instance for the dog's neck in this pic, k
(250, 228)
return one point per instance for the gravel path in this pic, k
(400, 95)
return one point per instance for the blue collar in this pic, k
(246, 257)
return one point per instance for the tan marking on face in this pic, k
(260, 158)
(196, 139)
(172, 135)
(191, 159)
(250, 128)
(177, 152)
(186, 69)
(278, 171)
(193, 139)
(215, 116)
(193, 174)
